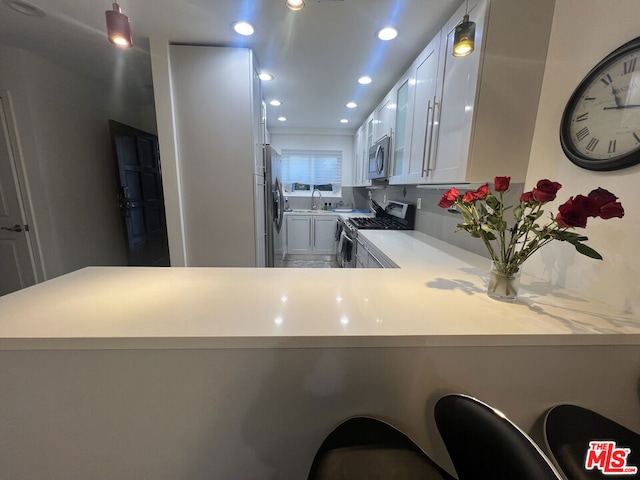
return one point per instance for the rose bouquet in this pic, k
(510, 243)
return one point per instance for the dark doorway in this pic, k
(140, 196)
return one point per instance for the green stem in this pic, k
(505, 257)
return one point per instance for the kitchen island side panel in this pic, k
(251, 413)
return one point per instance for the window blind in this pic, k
(309, 169)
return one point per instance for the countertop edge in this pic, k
(293, 342)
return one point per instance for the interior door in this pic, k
(16, 261)
(140, 197)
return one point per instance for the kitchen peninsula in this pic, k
(240, 373)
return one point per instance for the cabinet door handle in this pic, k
(434, 148)
(426, 151)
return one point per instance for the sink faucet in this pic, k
(313, 204)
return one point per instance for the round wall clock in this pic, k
(600, 127)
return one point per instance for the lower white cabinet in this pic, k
(368, 256)
(324, 235)
(311, 234)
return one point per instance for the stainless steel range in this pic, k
(396, 216)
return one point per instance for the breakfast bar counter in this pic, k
(438, 297)
(168, 373)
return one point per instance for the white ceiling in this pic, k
(316, 55)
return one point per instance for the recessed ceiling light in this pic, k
(267, 77)
(387, 33)
(24, 7)
(243, 28)
(364, 80)
(352, 105)
(282, 119)
(344, 120)
(294, 5)
(275, 103)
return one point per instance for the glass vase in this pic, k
(503, 286)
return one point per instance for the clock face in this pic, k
(600, 127)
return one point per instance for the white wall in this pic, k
(584, 32)
(62, 121)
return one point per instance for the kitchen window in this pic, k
(306, 170)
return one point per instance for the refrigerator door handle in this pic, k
(278, 207)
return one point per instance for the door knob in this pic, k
(15, 228)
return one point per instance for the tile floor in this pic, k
(308, 261)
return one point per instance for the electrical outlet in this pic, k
(384, 199)
(419, 203)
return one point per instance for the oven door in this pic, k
(346, 246)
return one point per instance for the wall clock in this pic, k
(600, 128)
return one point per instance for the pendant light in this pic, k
(464, 36)
(118, 27)
(295, 5)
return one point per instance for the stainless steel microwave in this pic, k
(379, 159)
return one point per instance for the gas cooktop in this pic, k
(396, 216)
(377, 223)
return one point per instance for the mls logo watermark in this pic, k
(609, 459)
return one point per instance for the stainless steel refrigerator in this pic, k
(274, 203)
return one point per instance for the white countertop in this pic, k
(437, 298)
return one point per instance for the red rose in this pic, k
(605, 205)
(574, 212)
(449, 198)
(526, 197)
(611, 209)
(469, 197)
(501, 184)
(482, 192)
(601, 197)
(545, 191)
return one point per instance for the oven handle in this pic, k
(343, 256)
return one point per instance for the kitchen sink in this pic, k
(308, 210)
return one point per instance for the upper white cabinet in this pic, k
(402, 136)
(358, 152)
(385, 116)
(421, 125)
(363, 140)
(455, 99)
(469, 119)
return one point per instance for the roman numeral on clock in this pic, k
(582, 117)
(582, 134)
(607, 80)
(635, 135)
(630, 66)
(612, 146)
(592, 144)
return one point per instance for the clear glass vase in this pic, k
(503, 286)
